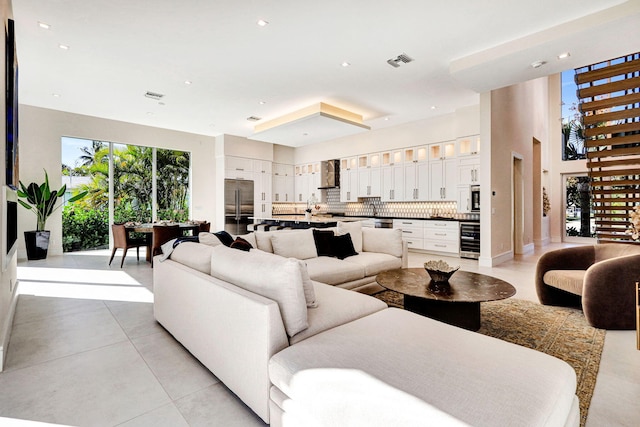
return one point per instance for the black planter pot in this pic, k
(37, 243)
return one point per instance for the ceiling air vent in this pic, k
(154, 95)
(403, 57)
(254, 118)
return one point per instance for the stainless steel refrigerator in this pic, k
(238, 205)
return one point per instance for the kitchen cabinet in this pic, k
(283, 183)
(369, 175)
(442, 179)
(463, 195)
(238, 168)
(307, 181)
(442, 150)
(468, 145)
(442, 236)
(262, 188)
(391, 158)
(412, 232)
(392, 183)
(349, 179)
(469, 170)
(416, 181)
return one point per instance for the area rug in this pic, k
(558, 331)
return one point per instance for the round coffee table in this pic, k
(456, 303)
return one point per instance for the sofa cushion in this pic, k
(336, 306)
(249, 237)
(355, 229)
(567, 280)
(263, 239)
(298, 244)
(307, 286)
(323, 239)
(374, 263)
(382, 240)
(271, 276)
(208, 239)
(501, 384)
(194, 255)
(333, 271)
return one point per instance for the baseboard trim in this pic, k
(528, 248)
(542, 242)
(5, 334)
(493, 261)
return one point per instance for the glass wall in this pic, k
(579, 221)
(572, 129)
(148, 184)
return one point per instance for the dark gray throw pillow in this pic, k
(323, 240)
(224, 237)
(342, 246)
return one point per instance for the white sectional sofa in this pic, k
(378, 250)
(301, 352)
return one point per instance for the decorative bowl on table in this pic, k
(440, 271)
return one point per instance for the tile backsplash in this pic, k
(374, 206)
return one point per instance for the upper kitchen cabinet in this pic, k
(469, 170)
(349, 179)
(390, 158)
(369, 175)
(442, 151)
(469, 145)
(238, 168)
(307, 180)
(416, 174)
(283, 183)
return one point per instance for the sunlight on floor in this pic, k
(82, 284)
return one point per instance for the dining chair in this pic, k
(161, 235)
(122, 240)
(204, 227)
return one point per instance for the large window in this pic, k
(572, 129)
(148, 184)
(579, 221)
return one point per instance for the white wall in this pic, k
(465, 121)
(40, 133)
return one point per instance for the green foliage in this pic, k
(41, 200)
(88, 227)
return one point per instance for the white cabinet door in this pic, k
(302, 187)
(442, 179)
(464, 198)
(469, 170)
(416, 182)
(410, 179)
(392, 183)
(262, 187)
(375, 182)
(369, 182)
(314, 182)
(283, 183)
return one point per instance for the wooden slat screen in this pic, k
(609, 95)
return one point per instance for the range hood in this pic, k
(329, 174)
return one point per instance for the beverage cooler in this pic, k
(470, 240)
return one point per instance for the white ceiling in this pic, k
(119, 49)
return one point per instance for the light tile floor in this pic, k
(85, 350)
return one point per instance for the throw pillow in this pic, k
(298, 244)
(225, 238)
(323, 241)
(271, 276)
(209, 239)
(241, 244)
(355, 229)
(342, 246)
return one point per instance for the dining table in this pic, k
(186, 229)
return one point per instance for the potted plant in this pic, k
(41, 200)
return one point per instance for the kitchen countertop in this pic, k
(340, 217)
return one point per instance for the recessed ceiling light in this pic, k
(44, 25)
(262, 22)
(55, 95)
(187, 82)
(564, 55)
(63, 46)
(433, 107)
(386, 119)
(345, 64)
(537, 64)
(262, 102)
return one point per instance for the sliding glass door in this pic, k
(135, 183)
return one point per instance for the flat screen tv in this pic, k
(11, 102)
